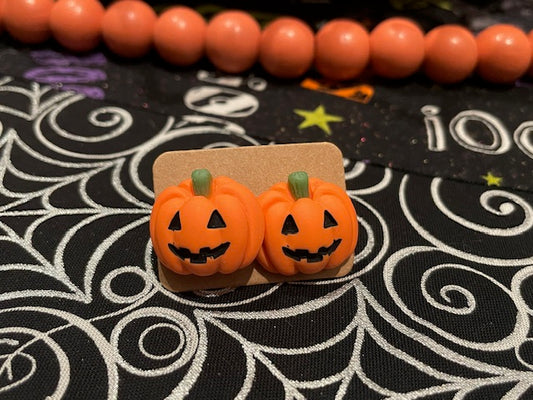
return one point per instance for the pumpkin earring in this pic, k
(311, 225)
(203, 225)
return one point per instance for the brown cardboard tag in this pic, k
(257, 167)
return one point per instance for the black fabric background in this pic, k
(437, 306)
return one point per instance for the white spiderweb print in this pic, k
(76, 267)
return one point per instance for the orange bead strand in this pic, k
(342, 49)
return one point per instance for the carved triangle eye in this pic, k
(289, 226)
(175, 224)
(329, 221)
(216, 221)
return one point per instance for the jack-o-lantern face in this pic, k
(311, 225)
(215, 222)
(204, 226)
(291, 228)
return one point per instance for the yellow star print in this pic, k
(492, 180)
(317, 117)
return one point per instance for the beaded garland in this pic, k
(286, 48)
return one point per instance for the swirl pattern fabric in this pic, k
(437, 306)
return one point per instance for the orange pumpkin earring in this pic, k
(311, 225)
(203, 225)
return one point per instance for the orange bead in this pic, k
(341, 49)
(504, 53)
(451, 54)
(530, 37)
(127, 28)
(179, 36)
(287, 48)
(396, 48)
(232, 41)
(76, 24)
(2, 15)
(27, 20)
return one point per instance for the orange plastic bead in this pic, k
(287, 47)
(127, 28)
(530, 37)
(179, 36)
(76, 24)
(451, 54)
(342, 49)
(396, 48)
(504, 53)
(27, 20)
(2, 2)
(232, 41)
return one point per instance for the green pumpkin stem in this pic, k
(299, 184)
(201, 182)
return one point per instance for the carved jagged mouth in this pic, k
(298, 254)
(202, 256)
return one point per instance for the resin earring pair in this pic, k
(206, 225)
